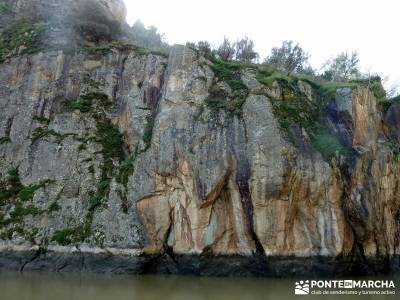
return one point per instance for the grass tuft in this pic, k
(43, 132)
(229, 72)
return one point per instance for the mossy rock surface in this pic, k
(21, 37)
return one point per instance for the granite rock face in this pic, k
(68, 156)
(117, 162)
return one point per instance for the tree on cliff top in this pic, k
(244, 50)
(147, 37)
(226, 50)
(204, 48)
(288, 57)
(343, 67)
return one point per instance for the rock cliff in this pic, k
(122, 160)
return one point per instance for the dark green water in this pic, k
(37, 286)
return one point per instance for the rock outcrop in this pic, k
(126, 161)
(69, 23)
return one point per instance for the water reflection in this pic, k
(36, 286)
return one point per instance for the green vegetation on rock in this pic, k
(99, 197)
(126, 169)
(121, 45)
(54, 206)
(5, 8)
(63, 237)
(267, 75)
(85, 103)
(111, 140)
(227, 72)
(230, 72)
(385, 103)
(395, 149)
(41, 119)
(21, 38)
(17, 197)
(10, 187)
(374, 84)
(43, 132)
(73, 235)
(27, 192)
(148, 131)
(95, 104)
(12, 190)
(20, 212)
(5, 140)
(294, 108)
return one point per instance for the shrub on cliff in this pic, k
(288, 57)
(244, 50)
(226, 50)
(204, 48)
(342, 67)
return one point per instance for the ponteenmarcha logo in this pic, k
(302, 287)
(343, 287)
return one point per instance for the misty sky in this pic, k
(322, 27)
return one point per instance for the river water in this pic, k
(38, 286)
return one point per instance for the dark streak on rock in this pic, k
(242, 180)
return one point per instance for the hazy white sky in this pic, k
(322, 27)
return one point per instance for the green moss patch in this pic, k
(12, 190)
(112, 149)
(10, 187)
(21, 38)
(126, 169)
(374, 84)
(43, 132)
(41, 119)
(64, 237)
(99, 197)
(295, 109)
(120, 45)
(54, 206)
(20, 212)
(5, 140)
(95, 104)
(89, 102)
(111, 140)
(148, 131)
(73, 235)
(230, 73)
(5, 8)
(26, 193)
(267, 75)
